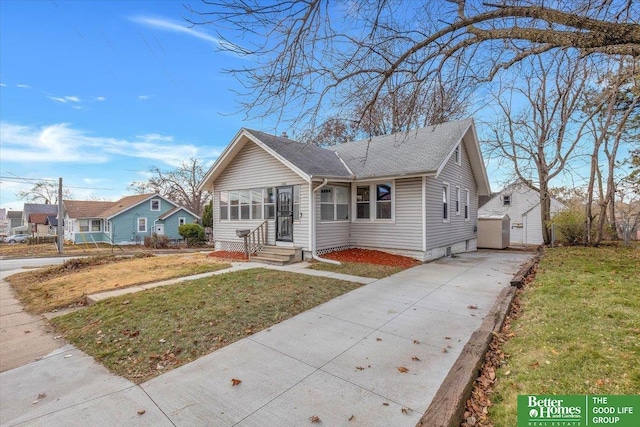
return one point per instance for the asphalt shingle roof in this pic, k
(125, 203)
(32, 208)
(415, 152)
(86, 208)
(309, 158)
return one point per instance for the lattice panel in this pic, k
(336, 248)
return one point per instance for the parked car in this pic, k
(16, 238)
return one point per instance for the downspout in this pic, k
(314, 254)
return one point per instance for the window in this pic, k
(155, 205)
(245, 200)
(224, 205)
(456, 155)
(466, 206)
(296, 203)
(363, 202)
(107, 227)
(445, 202)
(334, 204)
(457, 200)
(142, 225)
(506, 200)
(383, 201)
(256, 203)
(95, 225)
(234, 212)
(83, 225)
(269, 203)
(182, 221)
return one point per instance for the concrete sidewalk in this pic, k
(338, 361)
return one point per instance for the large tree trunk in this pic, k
(545, 211)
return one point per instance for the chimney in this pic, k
(284, 134)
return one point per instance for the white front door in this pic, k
(159, 229)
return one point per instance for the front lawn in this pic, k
(62, 286)
(374, 271)
(579, 331)
(142, 335)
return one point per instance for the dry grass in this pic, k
(361, 269)
(49, 249)
(142, 335)
(50, 289)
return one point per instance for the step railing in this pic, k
(257, 239)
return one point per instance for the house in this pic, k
(14, 221)
(126, 221)
(38, 225)
(34, 215)
(522, 204)
(413, 193)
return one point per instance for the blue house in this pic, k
(125, 222)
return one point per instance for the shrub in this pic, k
(156, 241)
(569, 227)
(192, 233)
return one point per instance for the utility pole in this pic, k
(60, 218)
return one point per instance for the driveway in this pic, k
(373, 357)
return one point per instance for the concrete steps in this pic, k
(278, 255)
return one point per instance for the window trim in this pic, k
(373, 202)
(146, 222)
(457, 155)
(506, 197)
(457, 201)
(467, 207)
(91, 221)
(446, 202)
(264, 191)
(151, 205)
(183, 219)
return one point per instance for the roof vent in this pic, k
(284, 134)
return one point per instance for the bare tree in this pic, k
(179, 185)
(309, 55)
(44, 192)
(540, 125)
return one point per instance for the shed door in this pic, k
(284, 214)
(159, 229)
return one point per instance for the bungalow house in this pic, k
(522, 204)
(412, 193)
(34, 215)
(127, 221)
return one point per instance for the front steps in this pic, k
(277, 255)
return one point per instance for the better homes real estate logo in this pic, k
(578, 411)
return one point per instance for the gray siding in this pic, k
(405, 232)
(443, 234)
(331, 234)
(255, 168)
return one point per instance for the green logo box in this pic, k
(578, 410)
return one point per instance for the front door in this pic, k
(159, 229)
(284, 214)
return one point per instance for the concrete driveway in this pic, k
(340, 362)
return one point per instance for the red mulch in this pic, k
(236, 256)
(372, 257)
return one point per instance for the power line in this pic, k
(32, 180)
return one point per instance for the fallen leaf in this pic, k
(534, 365)
(402, 369)
(472, 307)
(314, 419)
(378, 339)
(555, 353)
(235, 381)
(248, 331)
(600, 383)
(359, 368)
(507, 373)
(444, 350)
(126, 302)
(405, 410)
(385, 404)
(141, 412)
(415, 359)
(162, 341)
(42, 395)
(351, 417)
(447, 338)
(27, 332)
(416, 342)
(68, 356)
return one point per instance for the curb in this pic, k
(448, 405)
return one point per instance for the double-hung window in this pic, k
(245, 201)
(95, 225)
(142, 225)
(363, 202)
(254, 204)
(466, 205)
(334, 203)
(457, 201)
(445, 202)
(224, 205)
(182, 220)
(155, 205)
(374, 201)
(383, 201)
(269, 203)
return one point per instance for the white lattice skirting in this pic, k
(336, 248)
(224, 245)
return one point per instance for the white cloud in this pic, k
(23, 86)
(100, 98)
(72, 98)
(57, 99)
(92, 181)
(143, 97)
(3, 85)
(65, 99)
(60, 143)
(176, 27)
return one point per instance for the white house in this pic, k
(522, 204)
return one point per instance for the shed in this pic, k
(494, 231)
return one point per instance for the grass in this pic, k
(375, 271)
(579, 331)
(142, 335)
(57, 287)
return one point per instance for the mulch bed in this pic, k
(235, 256)
(372, 257)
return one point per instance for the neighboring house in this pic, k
(38, 212)
(14, 220)
(411, 193)
(38, 225)
(522, 204)
(127, 221)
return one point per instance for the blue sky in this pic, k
(97, 92)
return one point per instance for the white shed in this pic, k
(494, 231)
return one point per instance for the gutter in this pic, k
(314, 254)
